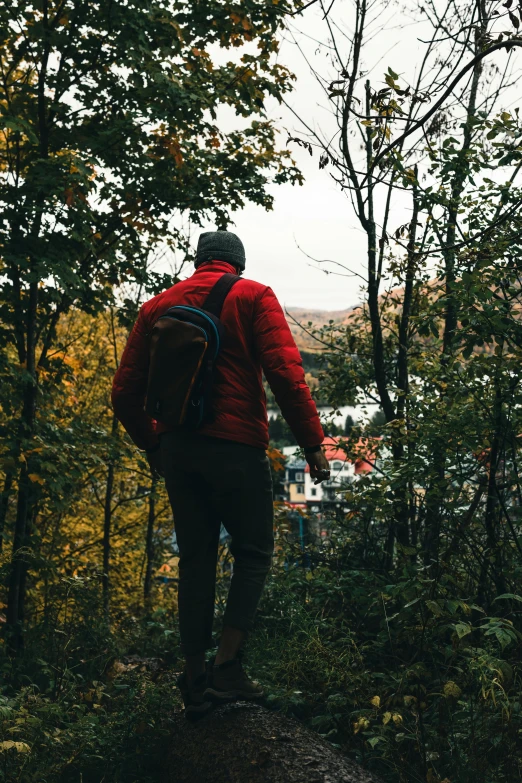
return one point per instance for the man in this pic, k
(220, 472)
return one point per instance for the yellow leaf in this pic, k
(89, 695)
(361, 724)
(376, 701)
(35, 478)
(20, 747)
(397, 719)
(277, 459)
(451, 690)
(386, 718)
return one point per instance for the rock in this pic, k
(246, 743)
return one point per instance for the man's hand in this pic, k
(154, 460)
(319, 467)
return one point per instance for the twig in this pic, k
(448, 91)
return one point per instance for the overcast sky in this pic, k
(317, 217)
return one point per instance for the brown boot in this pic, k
(196, 705)
(229, 682)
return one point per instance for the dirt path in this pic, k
(245, 743)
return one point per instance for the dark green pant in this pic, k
(210, 481)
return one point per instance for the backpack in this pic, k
(184, 345)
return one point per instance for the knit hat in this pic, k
(220, 246)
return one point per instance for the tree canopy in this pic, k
(109, 140)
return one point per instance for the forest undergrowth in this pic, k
(400, 671)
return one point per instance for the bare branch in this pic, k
(472, 63)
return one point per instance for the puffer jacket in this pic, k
(258, 340)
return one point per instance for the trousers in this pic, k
(212, 481)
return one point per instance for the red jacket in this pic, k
(257, 339)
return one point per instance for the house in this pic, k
(295, 482)
(343, 472)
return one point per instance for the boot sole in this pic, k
(234, 695)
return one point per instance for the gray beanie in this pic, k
(220, 246)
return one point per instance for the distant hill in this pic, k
(301, 315)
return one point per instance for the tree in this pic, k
(349, 424)
(377, 421)
(434, 162)
(279, 432)
(109, 132)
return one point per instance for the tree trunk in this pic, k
(149, 547)
(374, 282)
(21, 543)
(401, 506)
(4, 504)
(493, 551)
(438, 485)
(245, 743)
(21, 539)
(107, 522)
(25, 499)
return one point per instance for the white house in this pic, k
(342, 472)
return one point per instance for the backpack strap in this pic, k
(216, 298)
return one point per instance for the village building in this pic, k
(302, 492)
(294, 484)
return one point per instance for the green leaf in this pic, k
(462, 629)
(509, 596)
(504, 637)
(434, 607)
